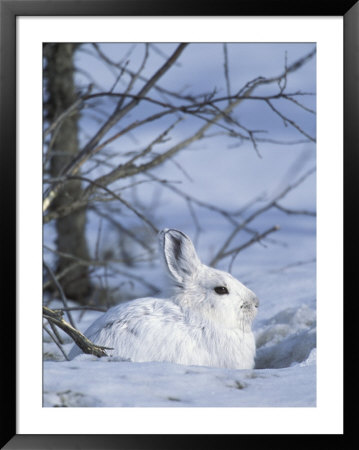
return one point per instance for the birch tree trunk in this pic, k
(59, 95)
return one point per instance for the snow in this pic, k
(125, 384)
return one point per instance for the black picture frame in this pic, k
(9, 10)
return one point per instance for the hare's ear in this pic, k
(179, 254)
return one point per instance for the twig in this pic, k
(61, 274)
(55, 340)
(295, 264)
(98, 239)
(296, 212)
(290, 121)
(79, 261)
(226, 70)
(56, 333)
(61, 291)
(190, 199)
(55, 316)
(109, 217)
(255, 214)
(256, 238)
(293, 100)
(72, 108)
(85, 308)
(122, 200)
(71, 207)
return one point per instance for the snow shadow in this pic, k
(286, 339)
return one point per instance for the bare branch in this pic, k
(255, 214)
(70, 110)
(59, 288)
(55, 316)
(55, 340)
(258, 237)
(290, 121)
(119, 112)
(296, 102)
(296, 212)
(226, 70)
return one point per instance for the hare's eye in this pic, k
(221, 290)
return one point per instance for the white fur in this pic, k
(195, 326)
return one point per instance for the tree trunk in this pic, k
(71, 239)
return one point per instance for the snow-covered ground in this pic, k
(72, 384)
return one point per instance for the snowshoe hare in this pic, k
(206, 321)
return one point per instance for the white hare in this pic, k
(207, 321)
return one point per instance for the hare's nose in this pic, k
(256, 302)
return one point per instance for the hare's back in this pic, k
(126, 324)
